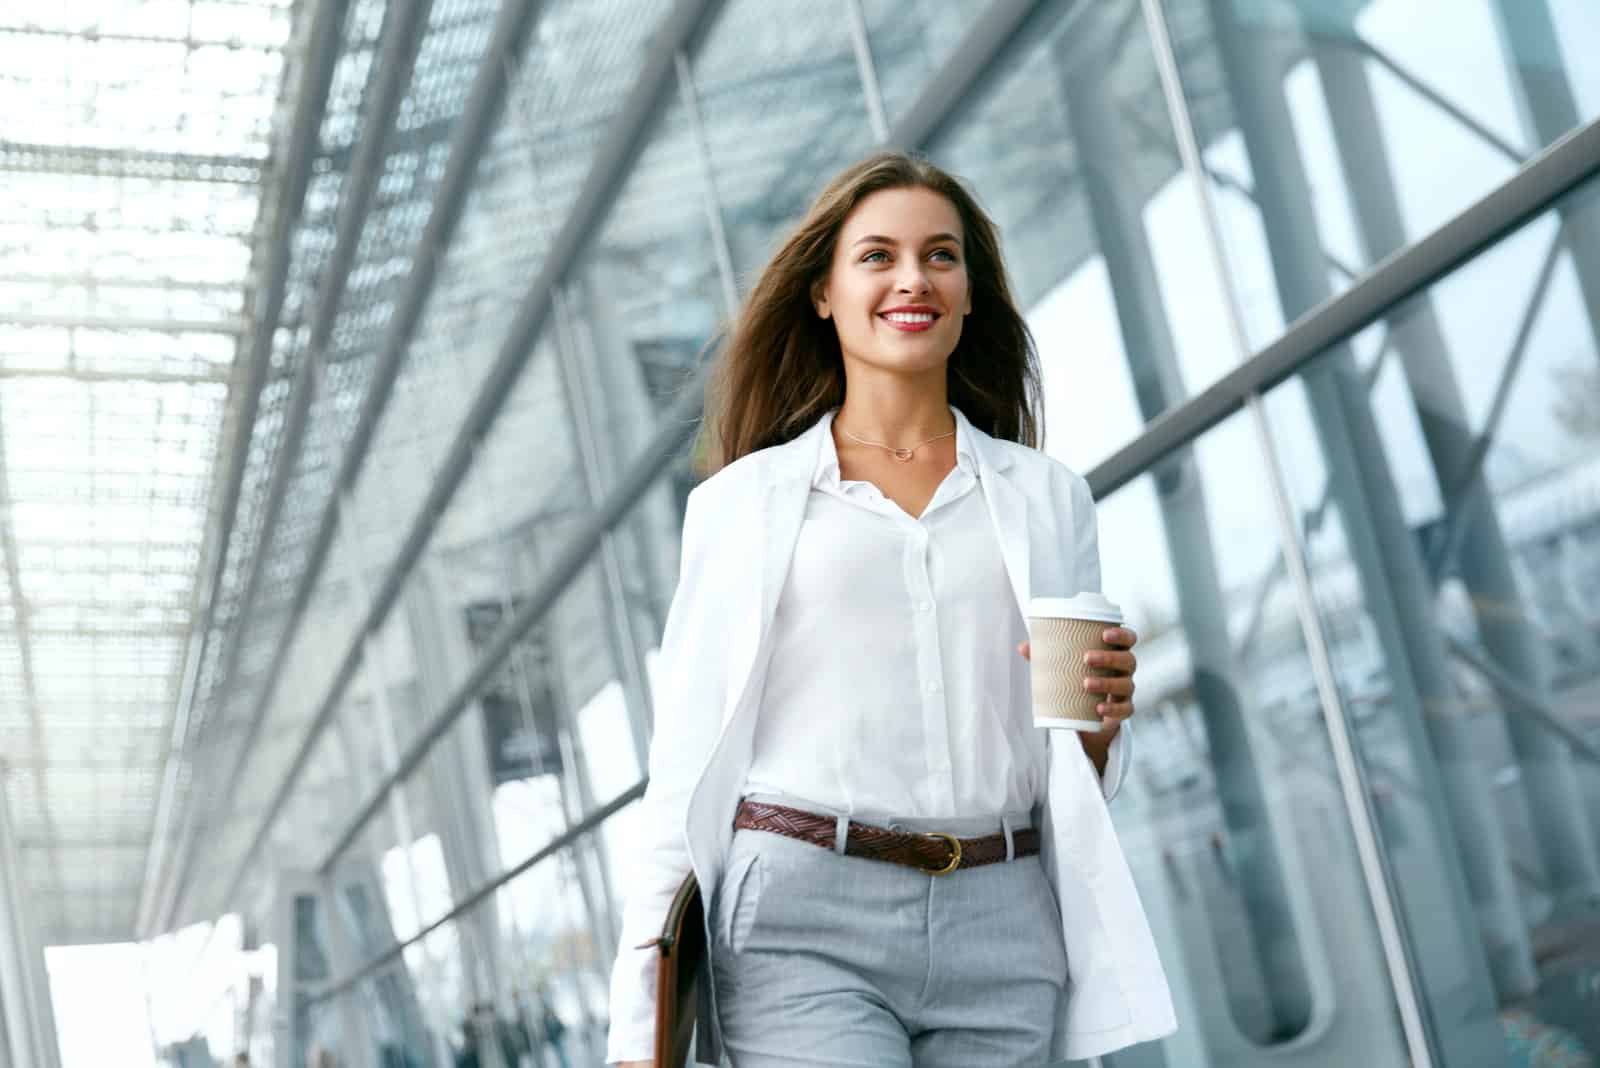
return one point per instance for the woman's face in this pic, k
(898, 290)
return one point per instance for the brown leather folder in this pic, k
(679, 971)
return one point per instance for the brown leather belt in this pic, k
(936, 854)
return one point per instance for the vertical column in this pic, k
(456, 776)
(586, 432)
(1394, 583)
(297, 964)
(356, 1046)
(1549, 111)
(23, 1031)
(374, 665)
(1275, 1001)
(626, 414)
(1561, 824)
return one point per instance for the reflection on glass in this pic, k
(1467, 665)
(1235, 823)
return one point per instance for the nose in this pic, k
(912, 280)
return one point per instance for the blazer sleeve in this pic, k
(1086, 543)
(688, 708)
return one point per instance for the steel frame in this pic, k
(321, 53)
(682, 28)
(401, 37)
(17, 157)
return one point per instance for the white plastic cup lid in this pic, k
(1083, 606)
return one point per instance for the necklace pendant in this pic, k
(903, 455)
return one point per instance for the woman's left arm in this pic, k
(1115, 691)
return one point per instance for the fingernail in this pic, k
(1090, 658)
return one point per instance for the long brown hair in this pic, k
(781, 367)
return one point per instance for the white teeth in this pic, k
(908, 317)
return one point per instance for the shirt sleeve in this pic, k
(1118, 756)
(687, 716)
(1086, 539)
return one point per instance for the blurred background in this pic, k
(351, 354)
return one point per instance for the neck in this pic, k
(898, 419)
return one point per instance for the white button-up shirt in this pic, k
(895, 686)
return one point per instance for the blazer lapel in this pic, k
(784, 488)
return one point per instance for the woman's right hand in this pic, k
(637, 1064)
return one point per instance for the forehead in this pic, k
(903, 214)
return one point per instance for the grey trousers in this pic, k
(828, 960)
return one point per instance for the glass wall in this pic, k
(1363, 815)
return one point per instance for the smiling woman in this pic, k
(844, 758)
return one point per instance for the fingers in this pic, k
(1112, 660)
(1122, 637)
(1117, 694)
(1026, 649)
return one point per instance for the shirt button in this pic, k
(933, 687)
(923, 606)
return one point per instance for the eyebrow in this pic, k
(879, 239)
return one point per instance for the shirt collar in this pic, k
(827, 469)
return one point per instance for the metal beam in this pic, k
(551, 848)
(273, 251)
(1433, 96)
(512, 25)
(405, 23)
(91, 281)
(1531, 192)
(979, 58)
(19, 158)
(92, 35)
(683, 28)
(123, 322)
(160, 378)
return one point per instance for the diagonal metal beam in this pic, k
(682, 28)
(1531, 192)
(1422, 89)
(405, 23)
(980, 59)
(327, 23)
(485, 99)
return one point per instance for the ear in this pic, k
(819, 298)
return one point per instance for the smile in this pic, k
(909, 321)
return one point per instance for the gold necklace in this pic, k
(903, 455)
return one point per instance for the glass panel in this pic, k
(1446, 479)
(1259, 934)
(911, 40)
(647, 294)
(562, 962)
(1070, 153)
(1335, 134)
(783, 109)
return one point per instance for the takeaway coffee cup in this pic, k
(1060, 631)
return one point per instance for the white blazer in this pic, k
(739, 533)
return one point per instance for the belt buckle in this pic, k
(955, 852)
